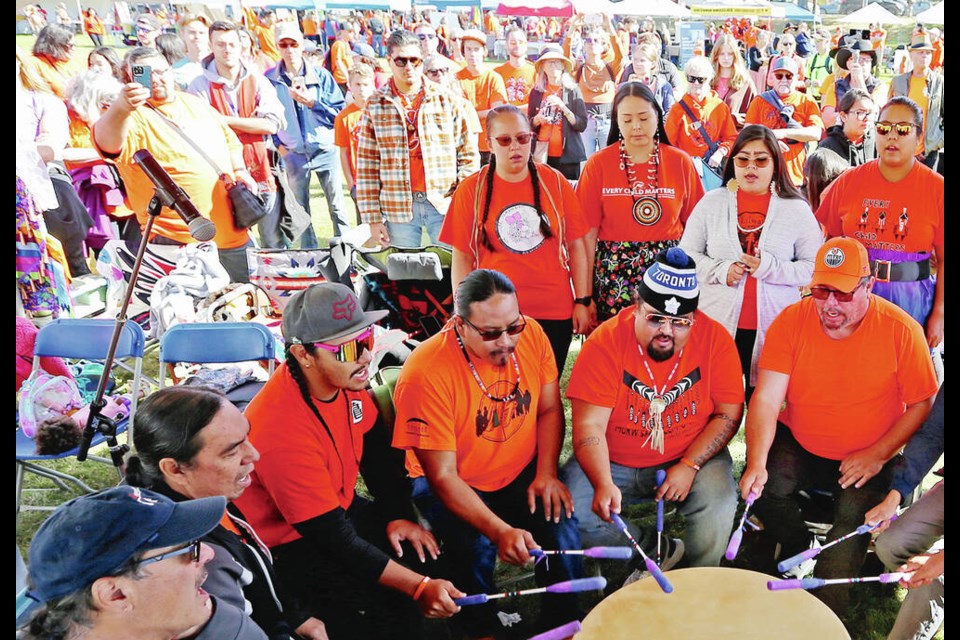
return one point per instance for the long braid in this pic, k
(487, 196)
(297, 374)
(535, 181)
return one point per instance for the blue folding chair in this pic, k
(78, 339)
(219, 342)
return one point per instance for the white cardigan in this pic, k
(788, 246)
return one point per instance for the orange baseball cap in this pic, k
(840, 264)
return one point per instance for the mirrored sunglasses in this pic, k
(903, 128)
(352, 350)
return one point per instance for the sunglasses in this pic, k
(593, 41)
(427, 36)
(822, 293)
(401, 61)
(783, 76)
(521, 138)
(696, 80)
(903, 128)
(191, 547)
(437, 72)
(489, 335)
(352, 350)
(745, 161)
(657, 320)
(289, 45)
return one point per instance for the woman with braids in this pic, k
(523, 220)
(192, 443)
(636, 194)
(316, 427)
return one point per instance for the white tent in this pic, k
(871, 13)
(656, 8)
(933, 15)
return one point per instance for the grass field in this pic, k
(872, 612)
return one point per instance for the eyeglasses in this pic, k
(521, 138)
(696, 80)
(437, 72)
(745, 161)
(657, 320)
(190, 547)
(859, 114)
(293, 44)
(593, 41)
(352, 350)
(822, 293)
(903, 128)
(427, 36)
(783, 76)
(401, 61)
(144, 29)
(490, 335)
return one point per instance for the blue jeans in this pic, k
(792, 468)
(235, 262)
(378, 44)
(913, 533)
(298, 175)
(269, 225)
(410, 234)
(472, 556)
(709, 508)
(595, 135)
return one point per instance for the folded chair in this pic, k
(78, 339)
(219, 342)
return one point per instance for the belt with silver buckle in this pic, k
(886, 271)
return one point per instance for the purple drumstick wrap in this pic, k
(559, 633)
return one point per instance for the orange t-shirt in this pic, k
(806, 112)
(610, 372)
(713, 116)
(552, 133)
(517, 82)
(265, 35)
(306, 469)
(483, 91)
(864, 189)
(750, 37)
(193, 174)
(918, 93)
(937, 60)
(56, 72)
(346, 127)
(521, 252)
(309, 27)
(592, 83)
(93, 26)
(440, 407)
(608, 205)
(845, 394)
(751, 215)
(340, 60)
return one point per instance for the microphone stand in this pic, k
(97, 422)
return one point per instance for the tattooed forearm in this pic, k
(589, 441)
(729, 429)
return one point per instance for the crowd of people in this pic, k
(752, 237)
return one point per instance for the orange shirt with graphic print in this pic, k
(864, 190)
(610, 372)
(440, 407)
(605, 196)
(520, 251)
(305, 469)
(518, 82)
(483, 91)
(886, 360)
(806, 112)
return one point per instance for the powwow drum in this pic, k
(711, 602)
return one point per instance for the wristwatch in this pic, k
(585, 300)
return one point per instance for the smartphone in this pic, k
(299, 84)
(142, 75)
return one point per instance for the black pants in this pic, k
(69, 222)
(570, 170)
(97, 40)
(559, 333)
(352, 609)
(745, 339)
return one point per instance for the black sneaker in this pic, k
(671, 556)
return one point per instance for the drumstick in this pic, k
(734, 546)
(651, 565)
(793, 561)
(816, 583)
(561, 632)
(608, 553)
(661, 477)
(570, 586)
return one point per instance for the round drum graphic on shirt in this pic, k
(499, 420)
(518, 228)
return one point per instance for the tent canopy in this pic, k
(724, 8)
(566, 8)
(933, 15)
(790, 11)
(540, 8)
(871, 13)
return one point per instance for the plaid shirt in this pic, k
(383, 155)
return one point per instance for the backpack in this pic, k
(45, 397)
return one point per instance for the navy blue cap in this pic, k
(94, 535)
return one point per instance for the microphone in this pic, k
(173, 196)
